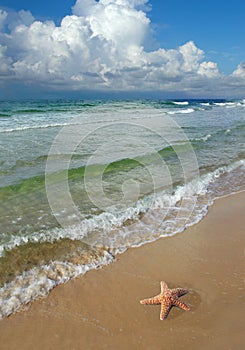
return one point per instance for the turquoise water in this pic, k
(81, 181)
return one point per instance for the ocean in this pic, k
(83, 181)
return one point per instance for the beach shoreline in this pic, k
(101, 310)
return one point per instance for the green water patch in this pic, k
(26, 185)
(25, 257)
(168, 104)
(25, 206)
(37, 183)
(29, 111)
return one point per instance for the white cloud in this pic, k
(5, 62)
(191, 56)
(100, 47)
(240, 71)
(209, 69)
(88, 7)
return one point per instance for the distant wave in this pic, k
(182, 111)
(205, 103)
(31, 111)
(184, 103)
(230, 104)
(204, 138)
(30, 127)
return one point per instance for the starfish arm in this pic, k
(183, 306)
(151, 301)
(164, 286)
(180, 291)
(165, 308)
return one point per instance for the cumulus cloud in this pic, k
(240, 71)
(100, 46)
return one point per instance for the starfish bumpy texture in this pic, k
(167, 298)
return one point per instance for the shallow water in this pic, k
(81, 182)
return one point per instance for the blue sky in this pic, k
(179, 48)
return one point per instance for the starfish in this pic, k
(167, 298)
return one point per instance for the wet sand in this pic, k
(101, 310)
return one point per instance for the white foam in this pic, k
(241, 103)
(204, 138)
(222, 104)
(226, 104)
(31, 127)
(39, 281)
(182, 111)
(184, 103)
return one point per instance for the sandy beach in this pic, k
(101, 309)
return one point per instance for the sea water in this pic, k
(81, 181)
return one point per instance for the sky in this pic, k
(128, 48)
